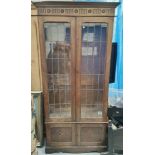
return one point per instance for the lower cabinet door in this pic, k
(60, 134)
(76, 134)
(92, 134)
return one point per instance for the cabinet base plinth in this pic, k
(75, 149)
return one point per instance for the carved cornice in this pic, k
(56, 8)
(76, 11)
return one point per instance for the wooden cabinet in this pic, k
(75, 48)
(36, 76)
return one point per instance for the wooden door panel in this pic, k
(92, 134)
(60, 134)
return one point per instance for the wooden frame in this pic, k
(75, 13)
(36, 72)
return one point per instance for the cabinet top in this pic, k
(75, 4)
(72, 8)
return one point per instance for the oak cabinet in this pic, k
(75, 41)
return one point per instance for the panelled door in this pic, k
(92, 77)
(58, 58)
(75, 66)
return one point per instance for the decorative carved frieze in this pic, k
(77, 11)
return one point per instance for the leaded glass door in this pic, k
(93, 68)
(59, 76)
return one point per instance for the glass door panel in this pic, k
(58, 61)
(93, 49)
